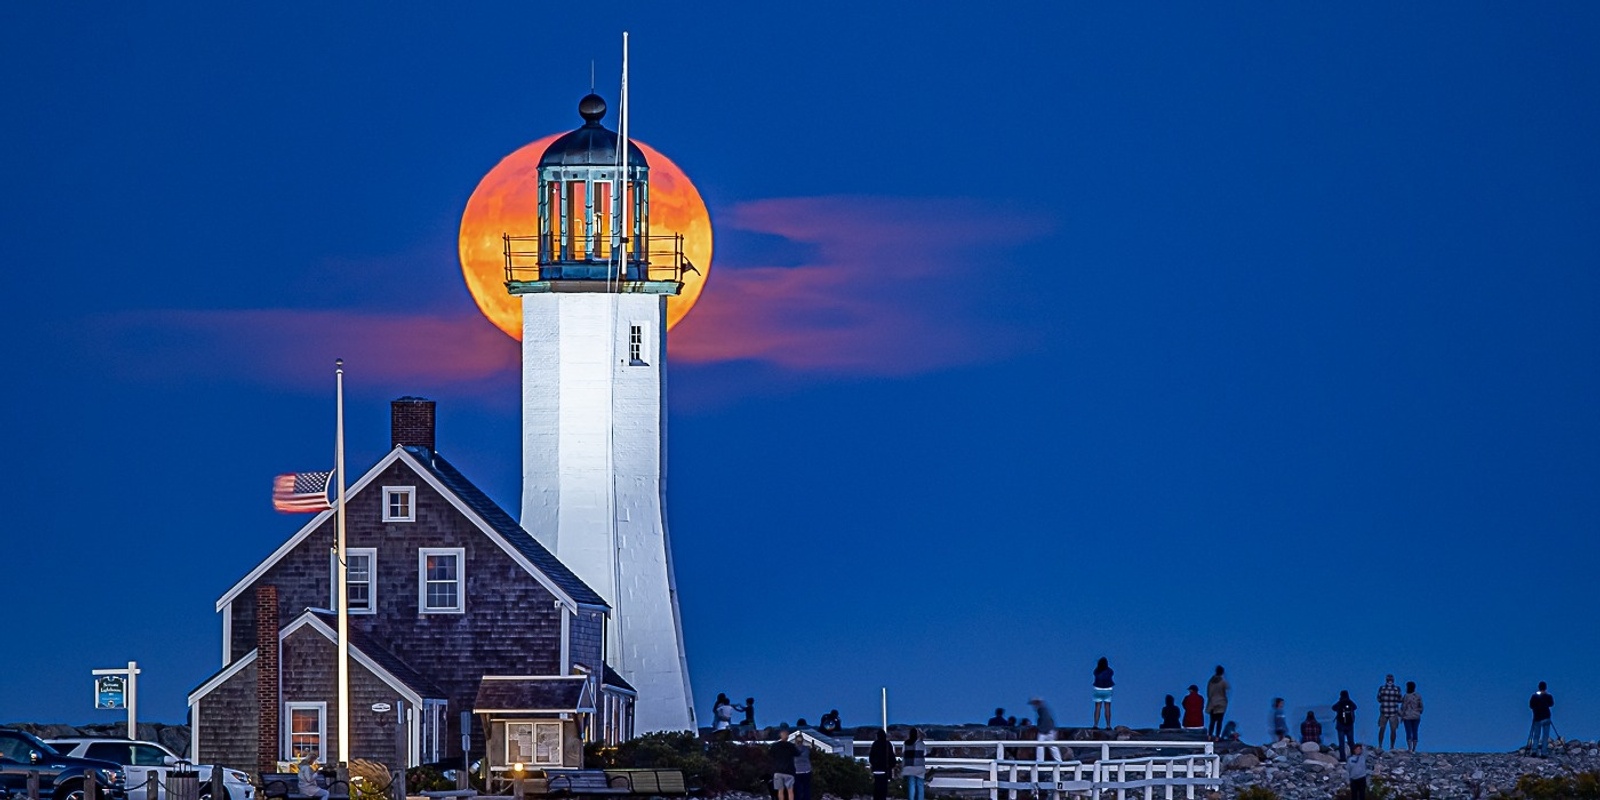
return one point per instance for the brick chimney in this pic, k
(411, 423)
(267, 731)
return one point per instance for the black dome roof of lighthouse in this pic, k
(591, 145)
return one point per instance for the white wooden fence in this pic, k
(1016, 767)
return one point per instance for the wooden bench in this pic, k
(286, 785)
(610, 783)
(651, 782)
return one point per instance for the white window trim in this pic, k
(411, 503)
(533, 757)
(644, 357)
(322, 728)
(372, 579)
(461, 579)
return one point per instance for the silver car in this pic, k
(139, 759)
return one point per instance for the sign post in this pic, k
(119, 688)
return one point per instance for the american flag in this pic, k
(301, 492)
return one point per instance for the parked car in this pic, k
(140, 758)
(61, 777)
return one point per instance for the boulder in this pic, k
(1243, 761)
(1310, 747)
(1320, 757)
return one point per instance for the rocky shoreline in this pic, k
(1294, 774)
(1286, 769)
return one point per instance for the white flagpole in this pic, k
(344, 591)
(886, 709)
(622, 155)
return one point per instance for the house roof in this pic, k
(513, 694)
(507, 527)
(391, 663)
(610, 678)
(471, 501)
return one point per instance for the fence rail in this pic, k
(1018, 766)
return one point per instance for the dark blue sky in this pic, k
(1245, 334)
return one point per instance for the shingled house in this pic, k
(453, 608)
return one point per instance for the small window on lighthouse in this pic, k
(636, 345)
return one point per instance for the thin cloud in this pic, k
(895, 287)
(888, 286)
(295, 348)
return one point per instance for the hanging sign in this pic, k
(110, 692)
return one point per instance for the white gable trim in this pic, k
(316, 522)
(310, 619)
(221, 677)
(444, 491)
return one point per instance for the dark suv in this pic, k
(60, 777)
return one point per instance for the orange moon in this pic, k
(507, 201)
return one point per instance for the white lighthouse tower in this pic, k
(594, 285)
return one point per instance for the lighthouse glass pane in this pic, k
(600, 230)
(576, 219)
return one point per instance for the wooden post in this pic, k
(90, 790)
(217, 790)
(397, 784)
(33, 784)
(152, 785)
(519, 789)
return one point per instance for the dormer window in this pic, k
(399, 504)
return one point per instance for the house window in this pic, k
(304, 733)
(399, 504)
(361, 580)
(441, 582)
(636, 345)
(533, 743)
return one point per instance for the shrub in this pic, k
(717, 768)
(426, 779)
(1256, 793)
(839, 776)
(1582, 786)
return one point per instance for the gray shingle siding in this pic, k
(511, 624)
(310, 664)
(227, 720)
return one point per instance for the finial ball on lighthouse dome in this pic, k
(592, 107)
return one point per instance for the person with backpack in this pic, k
(1344, 722)
(1411, 714)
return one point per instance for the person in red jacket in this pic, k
(1194, 710)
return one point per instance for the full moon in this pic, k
(507, 201)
